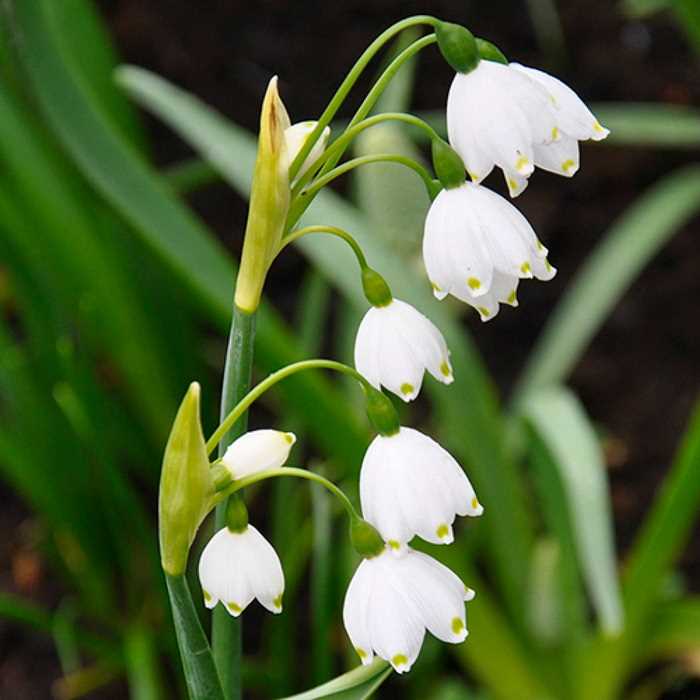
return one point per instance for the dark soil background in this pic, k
(641, 374)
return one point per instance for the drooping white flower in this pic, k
(256, 451)
(517, 118)
(477, 246)
(394, 346)
(236, 567)
(296, 136)
(391, 601)
(410, 485)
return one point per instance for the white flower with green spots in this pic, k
(396, 344)
(477, 246)
(391, 601)
(517, 118)
(236, 567)
(257, 451)
(410, 485)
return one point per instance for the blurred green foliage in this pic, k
(111, 290)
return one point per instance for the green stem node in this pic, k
(375, 288)
(458, 46)
(236, 514)
(381, 412)
(366, 541)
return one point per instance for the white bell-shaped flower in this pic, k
(410, 485)
(236, 567)
(391, 601)
(394, 346)
(256, 451)
(477, 246)
(296, 135)
(517, 118)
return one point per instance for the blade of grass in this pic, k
(170, 229)
(561, 423)
(607, 273)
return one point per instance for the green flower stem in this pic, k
(239, 484)
(226, 631)
(330, 230)
(350, 80)
(378, 88)
(239, 410)
(305, 198)
(337, 148)
(197, 661)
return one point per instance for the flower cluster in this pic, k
(477, 247)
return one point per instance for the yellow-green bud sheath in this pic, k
(269, 202)
(458, 46)
(185, 485)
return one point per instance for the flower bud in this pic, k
(381, 412)
(269, 201)
(295, 137)
(256, 451)
(458, 46)
(447, 164)
(185, 485)
(375, 288)
(365, 539)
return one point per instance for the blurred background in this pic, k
(121, 210)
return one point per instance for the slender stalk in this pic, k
(350, 80)
(303, 200)
(227, 631)
(239, 484)
(337, 148)
(378, 88)
(332, 231)
(243, 405)
(200, 672)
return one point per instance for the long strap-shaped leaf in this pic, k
(358, 684)
(195, 652)
(560, 421)
(607, 274)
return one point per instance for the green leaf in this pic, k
(173, 233)
(649, 124)
(358, 684)
(195, 652)
(667, 527)
(675, 630)
(607, 274)
(559, 419)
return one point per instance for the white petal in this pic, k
(355, 610)
(295, 137)
(265, 570)
(257, 451)
(368, 347)
(396, 629)
(560, 157)
(378, 494)
(439, 602)
(574, 118)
